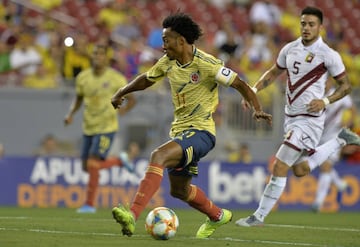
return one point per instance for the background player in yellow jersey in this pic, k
(94, 87)
(194, 78)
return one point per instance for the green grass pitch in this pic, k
(57, 227)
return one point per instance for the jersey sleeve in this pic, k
(334, 64)
(158, 71)
(224, 76)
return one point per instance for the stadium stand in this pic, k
(82, 14)
(346, 11)
(70, 18)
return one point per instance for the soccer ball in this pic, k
(161, 223)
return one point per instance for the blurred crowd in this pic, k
(33, 53)
(45, 44)
(42, 52)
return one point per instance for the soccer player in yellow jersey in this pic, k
(194, 77)
(94, 87)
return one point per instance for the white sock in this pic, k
(271, 195)
(323, 152)
(322, 188)
(336, 179)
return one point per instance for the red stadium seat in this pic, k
(207, 14)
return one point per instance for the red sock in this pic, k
(147, 188)
(93, 183)
(109, 162)
(198, 200)
(94, 166)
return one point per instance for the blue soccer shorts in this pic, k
(97, 145)
(195, 145)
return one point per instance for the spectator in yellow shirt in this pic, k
(46, 4)
(41, 79)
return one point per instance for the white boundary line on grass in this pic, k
(210, 239)
(13, 217)
(117, 235)
(341, 229)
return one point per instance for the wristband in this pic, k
(254, 89)
(326, 101)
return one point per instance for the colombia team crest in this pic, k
(194, 77)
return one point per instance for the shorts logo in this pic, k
(304, 137)
(194, 77)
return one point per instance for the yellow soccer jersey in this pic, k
(194, 89)
(99, 115)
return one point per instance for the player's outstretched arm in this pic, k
(139, 83)
(267, 78)
(245, 90)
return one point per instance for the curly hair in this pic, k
(184, 25)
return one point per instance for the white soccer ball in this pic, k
(161, 223)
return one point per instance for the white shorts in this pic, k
(302, 137)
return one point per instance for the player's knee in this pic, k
(158, 156)
(167, 156)
(301, 170)
(326, 167)
(280, 169)
(92, 163)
